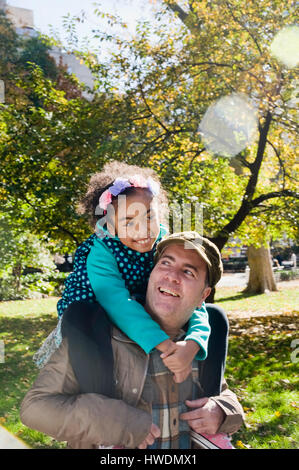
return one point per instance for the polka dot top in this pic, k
(135, 269)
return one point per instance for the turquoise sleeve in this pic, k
(199, 331)
(110, 290)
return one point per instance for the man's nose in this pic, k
(172, 275)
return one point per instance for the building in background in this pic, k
(20, 17)
(73, 66)
(23, 21)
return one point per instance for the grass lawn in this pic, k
(262, 372)
(285, 300)
(23, 327)
(261, 368)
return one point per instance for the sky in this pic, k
(50, 12)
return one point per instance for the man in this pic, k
(146, 408)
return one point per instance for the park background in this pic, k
(206, 94)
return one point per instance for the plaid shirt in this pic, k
(168, 402)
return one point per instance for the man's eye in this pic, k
(164, 261)
(190, 273)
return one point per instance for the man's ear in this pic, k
(206, 293)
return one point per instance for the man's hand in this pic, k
(150, 438)
(180, 359)
(206, 417)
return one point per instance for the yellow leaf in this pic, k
(245, 408)
(240, 445)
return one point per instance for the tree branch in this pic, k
(244, 162)
(246, 204)
(277, 153)
(245, 27)
(256, 165)
(151, 112)
(283, 193)
(178, 10)
(62, 229)
(160, 137)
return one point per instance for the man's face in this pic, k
(177, 285)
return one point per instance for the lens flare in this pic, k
(285, 46)
(229, 125)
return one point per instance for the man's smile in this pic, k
(168, 292)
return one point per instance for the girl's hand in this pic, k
(180, 377)
(179, 361)
(167, 347)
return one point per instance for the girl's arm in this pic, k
(194, 345)
(111, 293)
(199, 331)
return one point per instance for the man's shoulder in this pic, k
(117, 334)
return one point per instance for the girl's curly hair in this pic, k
(101, 181)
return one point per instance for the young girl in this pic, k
(113, 265)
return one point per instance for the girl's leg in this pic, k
(88, 332)
(212, 368)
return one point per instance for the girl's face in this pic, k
(136, 220)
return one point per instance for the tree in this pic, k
(37, 49)
(51, 141)
(171, 75)
(20, 249)
(9, 45)
(254, 31)
(151, 95)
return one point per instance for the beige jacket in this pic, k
(55, 406)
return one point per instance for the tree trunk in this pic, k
(261, 277)
(17, 271)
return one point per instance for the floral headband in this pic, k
(120, 184)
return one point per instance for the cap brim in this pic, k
(163, 244)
